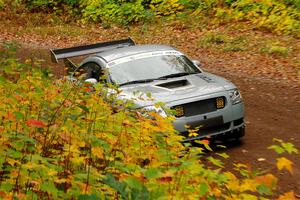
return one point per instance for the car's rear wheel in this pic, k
(89, 71)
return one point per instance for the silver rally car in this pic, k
(201, 100)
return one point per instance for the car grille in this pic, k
(197, 107)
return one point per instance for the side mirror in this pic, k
(197, 63)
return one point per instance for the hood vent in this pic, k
(174, 84)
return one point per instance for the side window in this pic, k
(91, 70)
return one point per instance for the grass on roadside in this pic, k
(275, 48)
(225, 42)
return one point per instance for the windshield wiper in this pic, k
(177, 75)
(159, 78)
(142, 81)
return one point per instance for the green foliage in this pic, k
(213, 38)
(1, 4)
(283, 147)
(273, 15)
(278, 16)
(166, 7)
(113, 11)
(275, 48)
(49, 4)
(227, 43)
(64, 140)
(13, 5)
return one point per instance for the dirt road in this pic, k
(273, 111)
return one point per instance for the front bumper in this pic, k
(223, 132)
(224, 123)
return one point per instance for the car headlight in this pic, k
(235, 96)
(156, 109)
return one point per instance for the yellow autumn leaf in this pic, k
(77, 160)
(62, 180)
(98, 152)
(217, 192)
(168, 174)
(284, 163)
(28, 165)
(74, 149)
(287, 196)
(248, 185)
(52, 172)
(247, 197)
(193, 134)
(233, 183)
(12, 162)
(81, 143)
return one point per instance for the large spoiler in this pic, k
(58, 54)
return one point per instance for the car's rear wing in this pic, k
(58, 54)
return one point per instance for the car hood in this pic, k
(174, 89)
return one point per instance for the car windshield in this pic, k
(150, 67)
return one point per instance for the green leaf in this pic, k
(88, 197)
(215, 161)
(39, 90)
(140, 194)
(264, 190)
(134, 183)
(223, 155)
(221, 146)
(73, 117)
(277, 140)
(14, 154)
(2, 79)
(80, 176)
(18, 115)
(152, 173)
(84, 108)
(119, 186)
(6, 186)
(50, 188)
(31, 195)
(148, 94)
(211, 198)
(203, 189)
(207, 147)
(277, 149)
(289, 147)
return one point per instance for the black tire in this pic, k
(241, 132)
(90, 70)
(238, 134)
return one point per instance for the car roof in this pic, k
(113, 54)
